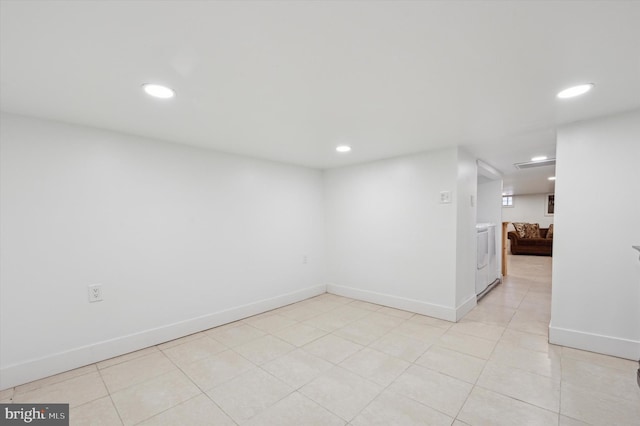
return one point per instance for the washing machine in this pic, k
(486, 258)
(482, 257)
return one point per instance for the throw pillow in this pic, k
(531, 230)
(519, 227)
(550, 231)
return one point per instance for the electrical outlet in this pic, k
(95, 293)
(305, 259)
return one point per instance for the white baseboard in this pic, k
(34, 369)
(608, 345)
(466, 307)
(411, 305)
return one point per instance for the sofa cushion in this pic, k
(550, 232)
(519, 227)
(531, 230)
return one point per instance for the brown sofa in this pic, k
(532, 246)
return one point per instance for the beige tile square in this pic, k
(386, 322)
(136, 371)
(487, 408)
(375, 366)
(320, 305)
(535, 309)
(127, 357)
(595, 407)
(527, 326)
(392, 409)
(507, 299)
(144, 400)
(474, 346)
(424, 332)
(332, 348)
(534, 342)
(235, 335)
(297, 368)
(217, 369)
(249, 394)
(351, 312)
(337, 318)
(613, 381)
(7, 394)
(53, 379)
(433, 389)
(361, 332)
(452, 363)
(264, 349)
(400, 346)
(434, 322)
(180, 341)
(532, 388)
(491, 314)
(300, 313)
(295, 410)
(300, 334)
(75, 391)
(526, 316)
(546, 364)
(100, 412)
(599, 359)
(199, 410)
(270, 323)
(194, 350)
(478, 329)
(341, 392)
(327, 321)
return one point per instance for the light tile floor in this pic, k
(331, 360)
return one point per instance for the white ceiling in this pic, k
(288, 81)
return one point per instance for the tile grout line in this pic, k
(113, 404)
(202, 391)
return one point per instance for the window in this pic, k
(507, 201)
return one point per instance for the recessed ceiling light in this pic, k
(343, 148)
(539, 158)
(158, 91)
(575, 91)
(551, 178)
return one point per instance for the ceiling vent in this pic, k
(532, 164)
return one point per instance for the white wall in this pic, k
(466, 236)
(527, 208)
(182, 239)
(389, 239)
(596, 274)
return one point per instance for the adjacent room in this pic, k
(321, 212)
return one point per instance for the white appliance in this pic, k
(486, 260)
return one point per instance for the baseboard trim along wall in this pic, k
(34, 369)
(411, 305)
(466, 307)
(608, 345)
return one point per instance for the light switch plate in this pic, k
(445, 197)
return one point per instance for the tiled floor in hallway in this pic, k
(331, 360)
